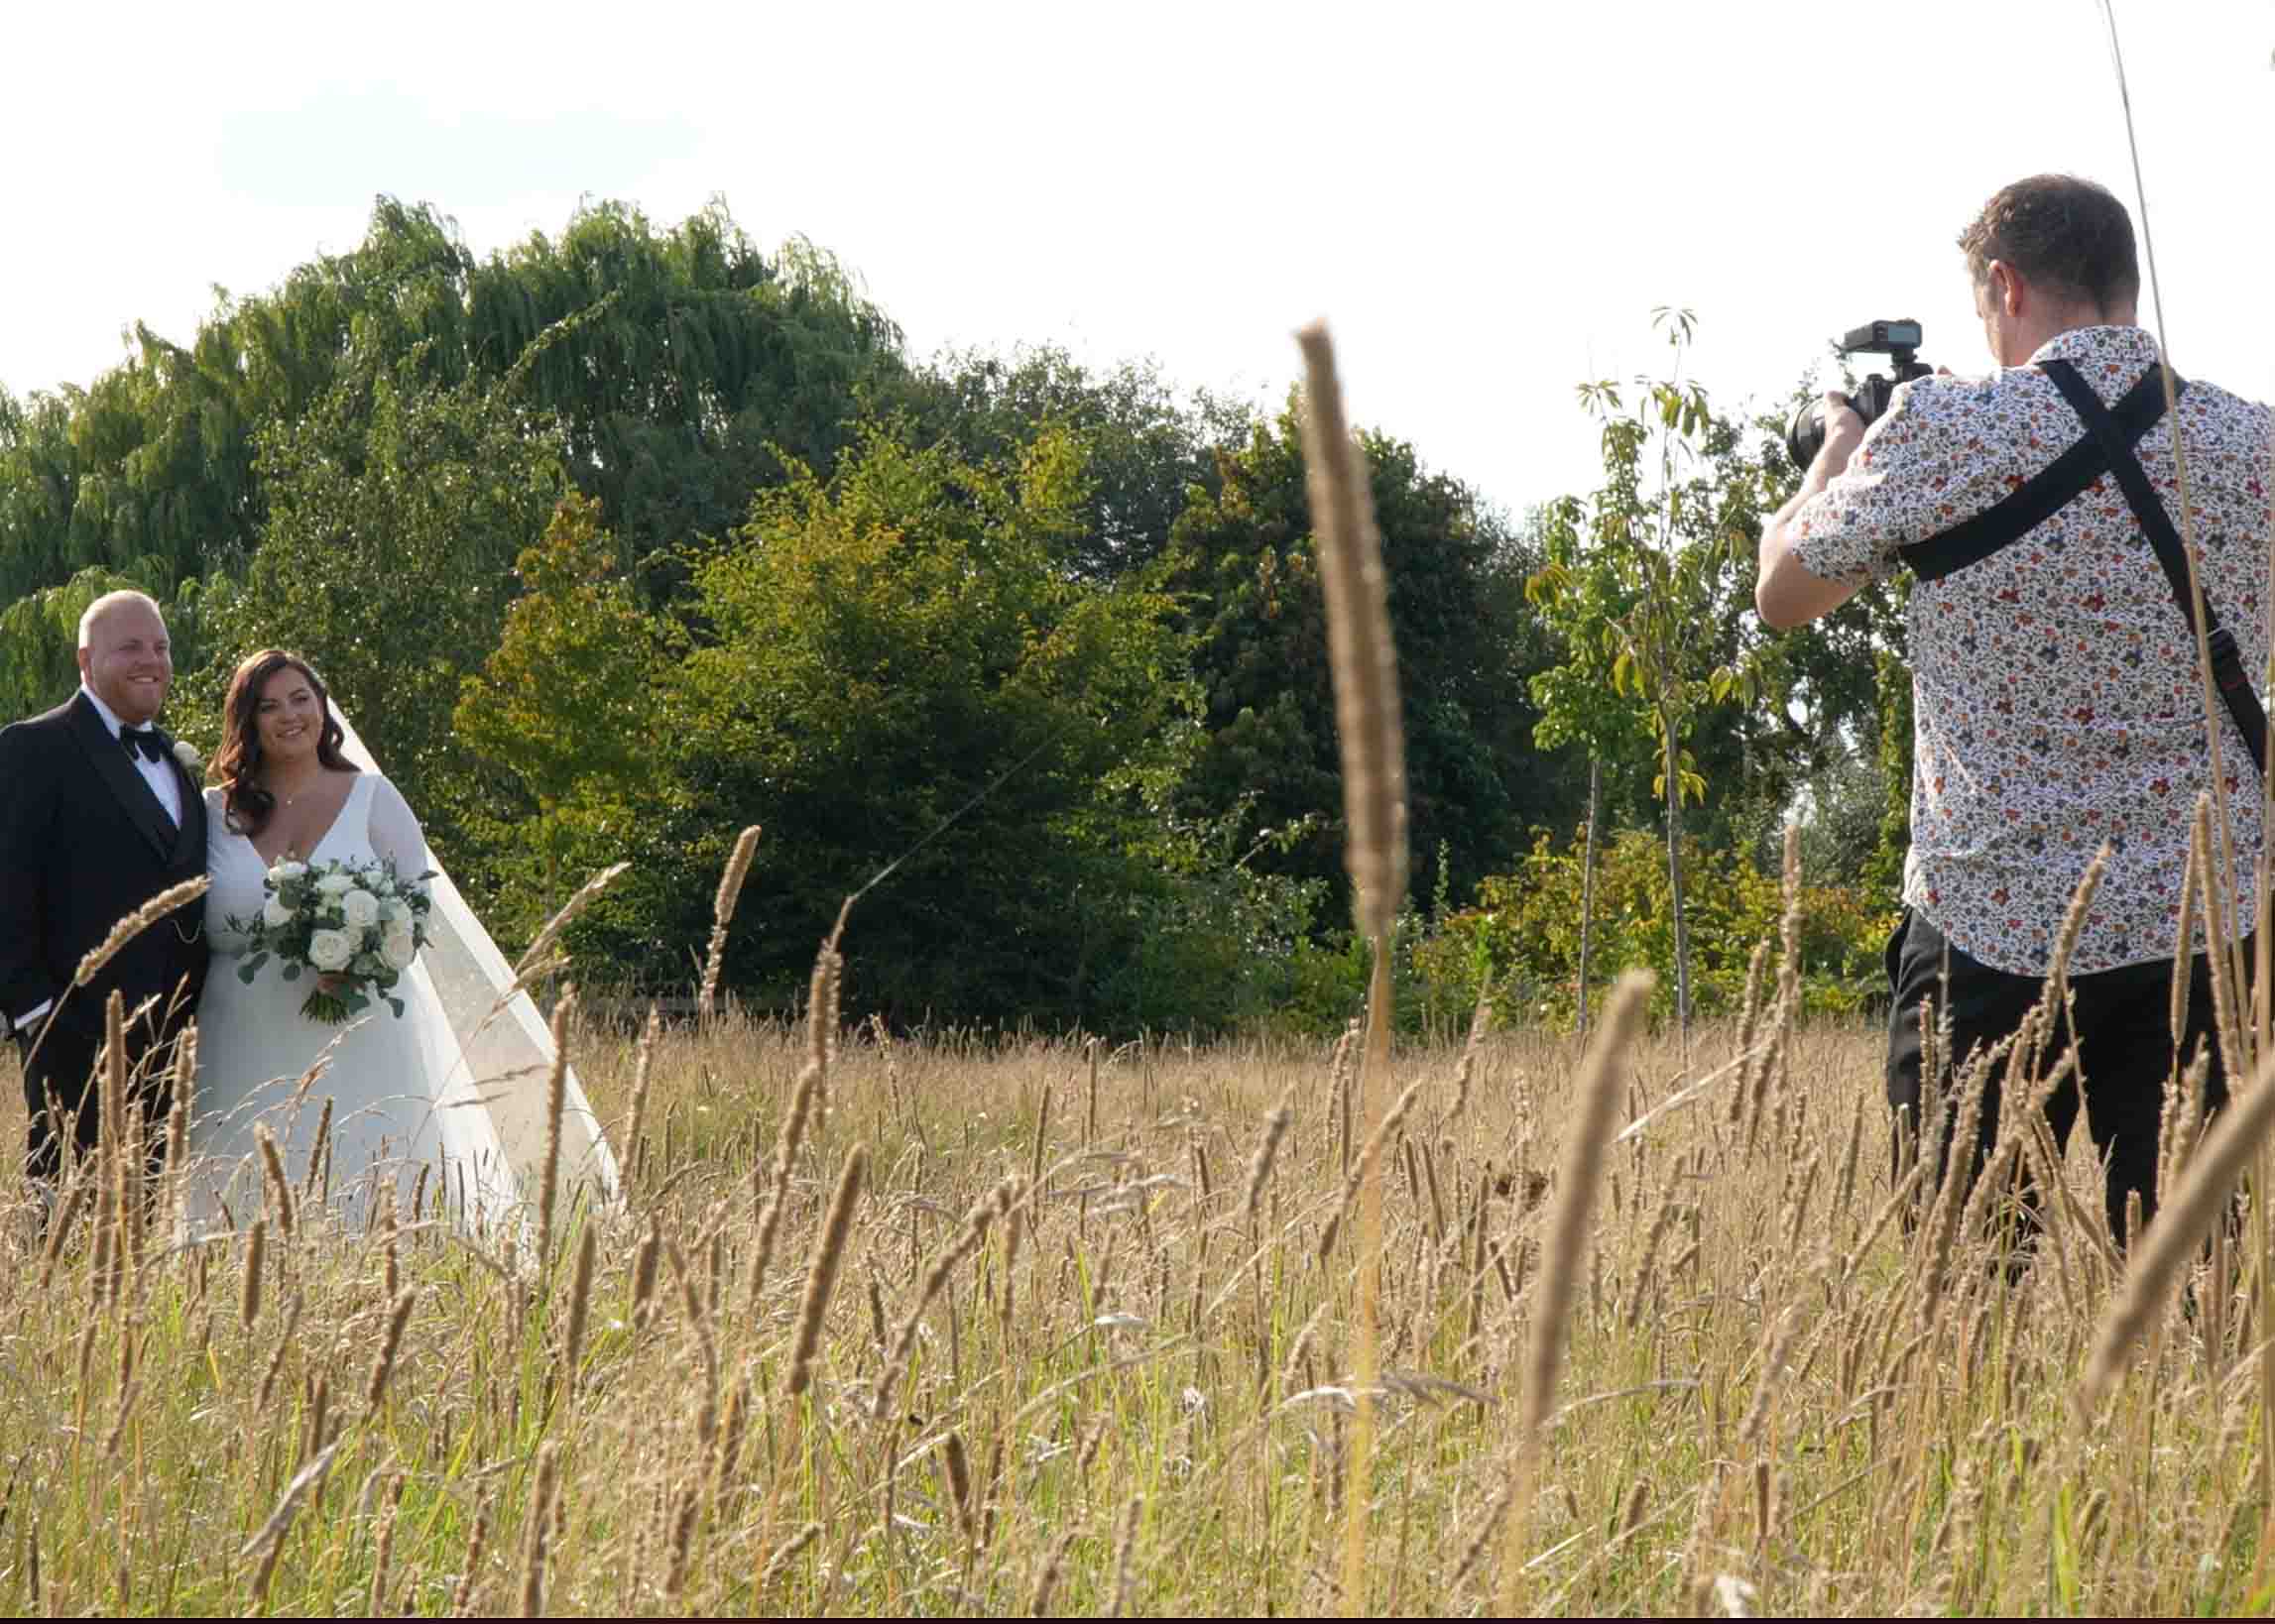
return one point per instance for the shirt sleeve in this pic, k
(1891, 494)
(395, 833)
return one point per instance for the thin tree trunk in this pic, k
(1588, 882)
(1675, 884)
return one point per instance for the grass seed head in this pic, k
(822, 1273)
(134, 923)
(1363, 661)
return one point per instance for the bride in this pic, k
(390, 1095)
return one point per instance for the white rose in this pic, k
(288, 871)
(360, 910)
(394, 911)
(398, 949)
(276, 915)
(335, 883)
(330, 950)
(186, 753)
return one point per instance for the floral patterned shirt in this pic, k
(2055, 692)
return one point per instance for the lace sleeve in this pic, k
(395, 833)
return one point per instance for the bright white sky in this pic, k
(1487, 201)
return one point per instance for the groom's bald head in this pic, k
(125, 655)
(108, 607)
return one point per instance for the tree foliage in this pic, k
(1243, 562)
(397, 512)
(569, 708)
(1147, 447)
(686, 358)
(1524, 931)
(629, 536)
(893, 675)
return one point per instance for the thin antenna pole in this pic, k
(2241, 1064)
(2212, 711)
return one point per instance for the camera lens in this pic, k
(1805, 434)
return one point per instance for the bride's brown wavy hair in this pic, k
(236, 765)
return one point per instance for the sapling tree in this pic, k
(1644, 578)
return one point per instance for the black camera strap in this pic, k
(2227, 661)
(2108, 448)
(2057, 485)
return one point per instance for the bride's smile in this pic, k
(285, 779)
(290, 717)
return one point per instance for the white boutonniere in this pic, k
(186, 753)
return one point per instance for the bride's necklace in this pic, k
(284, 801)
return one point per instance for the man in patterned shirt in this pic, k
(2056, 693)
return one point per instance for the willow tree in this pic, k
(692, 362)
(398, 513)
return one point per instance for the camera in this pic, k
(1899, 341)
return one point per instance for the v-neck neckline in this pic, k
(331, 828)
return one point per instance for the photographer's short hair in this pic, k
(2061, 230)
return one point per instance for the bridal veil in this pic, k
(498, 1049)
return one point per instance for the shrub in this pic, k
(1523, 933)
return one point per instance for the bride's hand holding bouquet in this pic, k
(356, 927)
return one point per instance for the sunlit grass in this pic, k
(1769, 1408)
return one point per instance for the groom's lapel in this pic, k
(189, 838)
(116, 770)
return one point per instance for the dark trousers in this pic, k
(59, 1072)
(2122, 1030)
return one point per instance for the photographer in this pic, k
(2056, 691)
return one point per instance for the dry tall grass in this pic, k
(1118, 1364)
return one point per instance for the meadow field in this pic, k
(1056, 1327)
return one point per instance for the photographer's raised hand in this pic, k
(1843, 432)
(1785, 593)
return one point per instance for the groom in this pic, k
(97, 815)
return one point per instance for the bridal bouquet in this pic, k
(360, 924)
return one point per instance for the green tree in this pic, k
(711, 364)
(1583, 599)
(1242, 561)
(697, 360)
(1639, 577)
(569, 707)
(1147, 446)
(397, 511)
(892, 671)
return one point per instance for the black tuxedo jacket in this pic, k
(83, 843)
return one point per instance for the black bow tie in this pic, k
(144, 740)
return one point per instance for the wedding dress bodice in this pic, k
(371, 1101)
(374, 823)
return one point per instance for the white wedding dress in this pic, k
(401, 1095)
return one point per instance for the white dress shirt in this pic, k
(164, 782)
